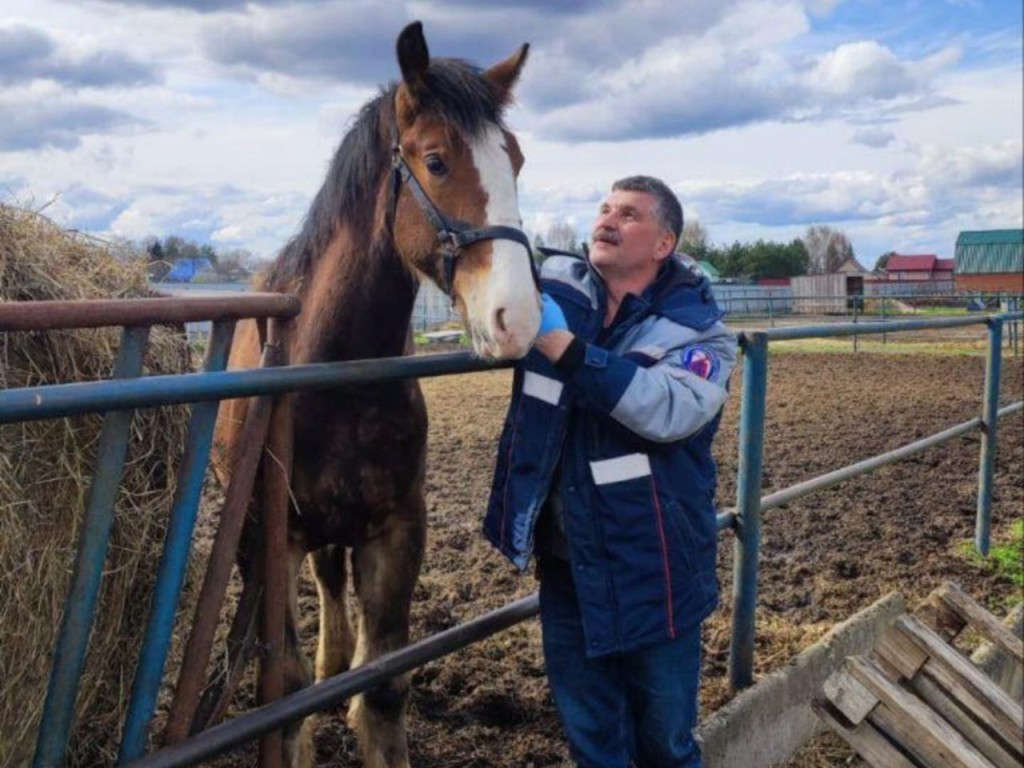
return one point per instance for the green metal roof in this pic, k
(991, 237)
(709, 270)
(990, 251)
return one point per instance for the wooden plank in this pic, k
(864, 737)
(994, 749)
(901, 653)
(937, 614)
(849, 696)
(981, 620)
(912, 722)
(965, 682)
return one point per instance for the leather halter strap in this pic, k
(454, 235)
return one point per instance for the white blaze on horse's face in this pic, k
(502, 310)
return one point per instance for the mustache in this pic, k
(606, 236)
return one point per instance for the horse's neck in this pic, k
(357, 303)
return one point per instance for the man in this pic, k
(605, 470)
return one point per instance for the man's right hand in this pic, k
(552, 318)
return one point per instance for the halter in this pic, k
(454, 235)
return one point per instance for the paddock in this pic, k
(907, 526)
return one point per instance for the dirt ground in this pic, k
(823, 558)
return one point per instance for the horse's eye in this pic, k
(436, 165)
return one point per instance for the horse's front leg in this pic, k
(336, 639)
(385, 568)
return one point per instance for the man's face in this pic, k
(628, 238)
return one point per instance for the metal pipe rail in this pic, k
(136, 316)
(746, 517)
(89, 313)
(58, 400)
(336, 689)
(890, 326)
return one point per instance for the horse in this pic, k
(422, 184)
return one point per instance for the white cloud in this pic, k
(873, 137)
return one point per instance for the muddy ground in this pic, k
(901, 528)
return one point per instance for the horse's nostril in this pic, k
(499, 321)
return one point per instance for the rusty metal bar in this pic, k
(88, 313)
(277, 470)
(192, 675)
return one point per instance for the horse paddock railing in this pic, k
(204, 390)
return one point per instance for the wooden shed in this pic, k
(824, 294)
(990, 261)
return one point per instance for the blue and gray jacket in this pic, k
(631, 427)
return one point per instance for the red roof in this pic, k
(947, 265)
(918, 263)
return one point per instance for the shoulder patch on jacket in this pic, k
(701, 360)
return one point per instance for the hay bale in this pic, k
(45, 469)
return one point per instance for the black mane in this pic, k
(455, 90)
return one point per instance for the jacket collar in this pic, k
(676, 293)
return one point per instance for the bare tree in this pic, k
(562, 236)
(827, 248)
(694, 237)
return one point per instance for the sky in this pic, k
(899, 122)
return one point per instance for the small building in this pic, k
(853, 267)
(990, 260)
(773, 282)
(825, 294)
(919, 268)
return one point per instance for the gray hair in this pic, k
(670, 212)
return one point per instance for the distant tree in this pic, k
(694, 240)
(827, 248)
(562, 236)
(760, 260)
(883, 260)
(155, 251)
(236, 265)
(207, 251)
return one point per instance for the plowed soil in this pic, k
(904, 527)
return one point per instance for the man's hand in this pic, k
(551, 316)
(553, 337)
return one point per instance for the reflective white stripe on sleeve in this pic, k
(628, 467)
(542, 387)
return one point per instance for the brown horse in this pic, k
(424, 183)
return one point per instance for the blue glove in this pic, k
(551, 317)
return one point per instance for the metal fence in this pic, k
(204, 390)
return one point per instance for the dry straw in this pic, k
(45, 469)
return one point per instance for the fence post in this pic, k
(883, 318)
(771, 311)
(748, 510)
(990, 417)
(855, 307)
(174, 559)
(79, 609)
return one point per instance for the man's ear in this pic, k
(665, 246)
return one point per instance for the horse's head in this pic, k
(455, 207)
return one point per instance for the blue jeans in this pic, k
(637, 708)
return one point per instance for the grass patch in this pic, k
(1008, 557)
(1005, 556)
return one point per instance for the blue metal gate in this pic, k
(127, 391)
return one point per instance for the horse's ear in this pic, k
(413, 56)
(503, 76)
